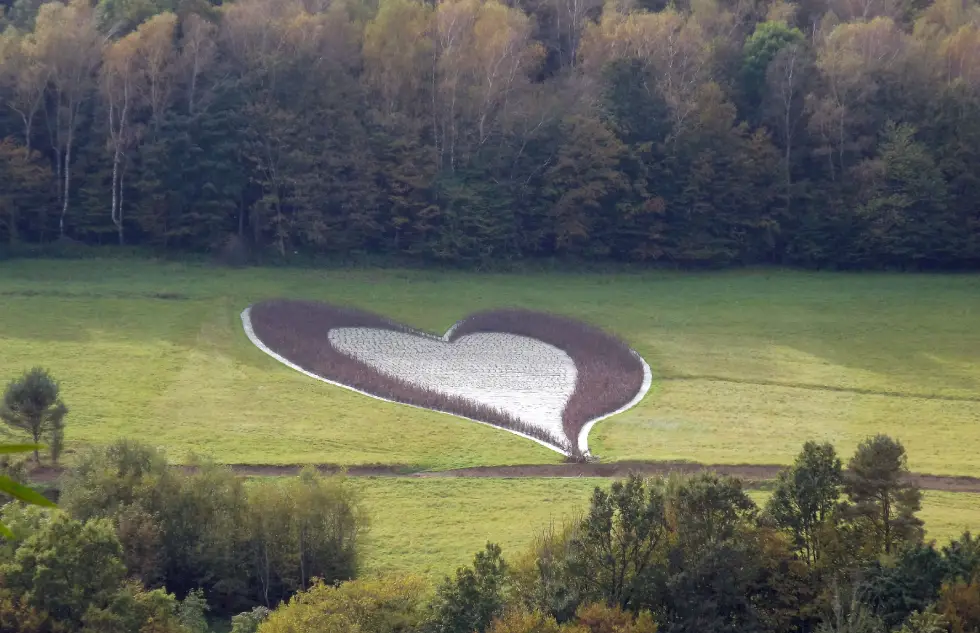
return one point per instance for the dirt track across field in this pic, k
(753, 475)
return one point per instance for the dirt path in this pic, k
(751, 474)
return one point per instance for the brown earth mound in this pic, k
(609, 373)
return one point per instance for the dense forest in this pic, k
(822, 133)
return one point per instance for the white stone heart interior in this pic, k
(521, 376)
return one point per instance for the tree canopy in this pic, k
(476, 132)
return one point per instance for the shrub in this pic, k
(133, 608)
(525, 622)
(470, 601)
(601, 618)
(389, 604)
(910, 584)
(542, 577)
(591, 618)
(17, 616)
(925, 622)
(249, 621)
(959, 603)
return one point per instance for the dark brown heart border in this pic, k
(611, 376)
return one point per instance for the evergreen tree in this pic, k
(32, 405)
(882, 501)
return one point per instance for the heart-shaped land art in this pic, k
(545, 377)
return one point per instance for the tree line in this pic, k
(138, 547)
(822, 133)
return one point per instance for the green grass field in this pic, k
(432, 526)
(747, 364)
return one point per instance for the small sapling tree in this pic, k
(32, 405)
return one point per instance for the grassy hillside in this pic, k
(432, 526)
(747, 365)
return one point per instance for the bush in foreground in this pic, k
(389, 604)
(68, 575)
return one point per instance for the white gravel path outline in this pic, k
(583, 438)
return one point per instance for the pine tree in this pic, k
(882, 499)
(32, 405)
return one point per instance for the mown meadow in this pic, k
(432, 525)
(747, 364)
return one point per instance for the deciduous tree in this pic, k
(67, 568)
(68, 47)
(806, 496)
(121, 83)
(23, 78)
(619, 540)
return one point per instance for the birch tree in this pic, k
(158, 63)
(397, 47)
(197, 55)
(120, 86)
(69, 48)
(23, 78)
(571, 17)
(669, 43)
(787, 78)
(483, 56)
(852, 59)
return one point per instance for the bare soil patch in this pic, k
(753, 475)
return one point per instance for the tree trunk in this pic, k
(192, 89)
(12, 220)
(67, 184)
(886, 518)
(117, 135)
(787, 158)
(115, 182)
(122, 177)
(58, 165)
(266, 576)
(27, 133)
(36, 435)
(302, 556)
